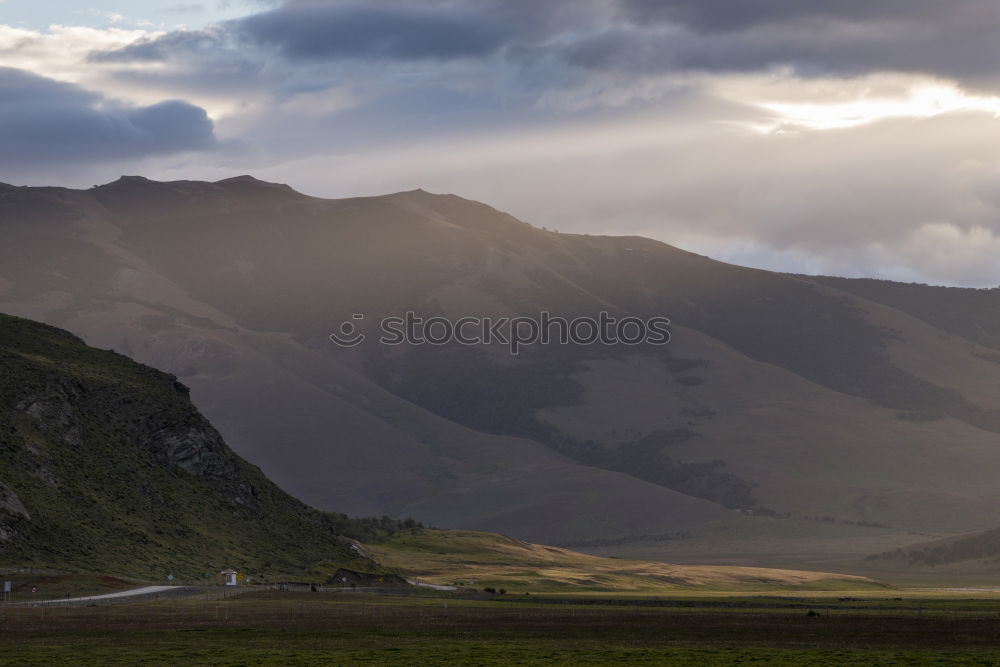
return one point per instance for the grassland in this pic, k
(462, 557)
(360, 629)
(52, 586)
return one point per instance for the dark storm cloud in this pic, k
(630, 49)
(848, 37)
(524, 19)
(42, 120)
(332, 30)
(956, 38)
(731, 15)
(378, 29)
(843, 37)
(359, 31)
(18, 87)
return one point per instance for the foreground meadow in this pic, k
(360, 628)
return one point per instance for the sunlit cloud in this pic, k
(61, 51)
(64, 53)
(831, 105)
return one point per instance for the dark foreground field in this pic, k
(359, 629)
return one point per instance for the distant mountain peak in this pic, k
(241, 178)
(247, 178)
(247, 182)
(244, 179)
(125, 181)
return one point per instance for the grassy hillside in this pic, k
(489, 560)
(109, 468)
(133, 279)
(973, 314)
(801, 397)
(976, 551)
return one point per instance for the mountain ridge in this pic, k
(810, 393)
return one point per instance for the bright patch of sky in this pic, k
(150, 14)
(921, 102)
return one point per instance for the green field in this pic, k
(359, 629)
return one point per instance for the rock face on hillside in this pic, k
(108, 467)
(11, 510)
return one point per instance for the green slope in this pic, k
(107, 467)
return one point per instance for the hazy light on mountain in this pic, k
(678, 118)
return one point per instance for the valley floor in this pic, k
(798, 544)
(284, 628)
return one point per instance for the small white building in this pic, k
(230, 576)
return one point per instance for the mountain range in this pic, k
(778, 398)
(109, 468)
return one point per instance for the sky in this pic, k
(849, 137)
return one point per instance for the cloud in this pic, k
(333, 31)
(847, 37)
(46, 121)
(320, 31)
(61, 52)
(184, 8)
(542, 46)
(732, 15)
(159, 47)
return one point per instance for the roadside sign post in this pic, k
(170, 578)
(8, 586)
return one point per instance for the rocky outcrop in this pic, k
(181, 438)
(53, 412)
(356, 547)
(195, 447)
(11, 509)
